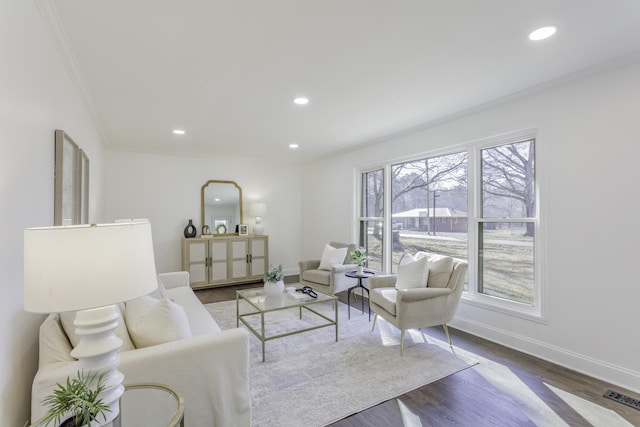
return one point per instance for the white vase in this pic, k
(360, 270)
(273, 289)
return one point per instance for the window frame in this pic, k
(538, 310)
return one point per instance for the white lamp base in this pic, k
(97, 352)
(258, 229)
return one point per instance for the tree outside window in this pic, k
(506, 228)
(429, 199)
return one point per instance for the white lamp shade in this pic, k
(257, 209)
(79, 267)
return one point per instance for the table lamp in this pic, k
(258, 209)
(89, 269)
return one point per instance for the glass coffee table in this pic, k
(261, 304)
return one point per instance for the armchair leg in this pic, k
(401, 341)
(446, 331)
(375, 316)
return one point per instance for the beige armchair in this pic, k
(329, 281)
(417, 307)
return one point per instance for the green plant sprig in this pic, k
(77, 399)
(359, 256)
(274, 274)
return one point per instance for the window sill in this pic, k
(509, 308)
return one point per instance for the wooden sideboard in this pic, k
(225, 260)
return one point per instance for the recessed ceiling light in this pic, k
(543, 33)
(293, 145)
(178, 131)
(301, 100)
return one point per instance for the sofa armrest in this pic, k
(174, 279)
(211, 372)
(382, 281)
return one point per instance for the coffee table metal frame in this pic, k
(256, 298)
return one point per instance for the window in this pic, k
(426, 195)
(372, 221)
(506, 227)
(479, 204)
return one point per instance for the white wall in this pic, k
(587, 154)
(36, 97)
(166, 189)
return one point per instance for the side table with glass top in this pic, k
(354, 274)
(163, 401)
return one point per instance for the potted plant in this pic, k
(273, 281)
(77, 403)
(359, 257)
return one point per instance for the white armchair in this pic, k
(329, 281)
(417, 307)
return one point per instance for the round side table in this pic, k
(354, 274)
(139, 399)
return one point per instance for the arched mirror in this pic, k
(221, 207)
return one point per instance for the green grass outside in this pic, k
(508, 269)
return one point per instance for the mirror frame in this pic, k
(218, 181)
(71, 181)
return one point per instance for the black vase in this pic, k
(190, 230)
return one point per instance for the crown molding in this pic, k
(50, 16)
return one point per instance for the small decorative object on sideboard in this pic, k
(273, 281)
(77, 403)
(205, 230)
(190, 230)
(359, 257)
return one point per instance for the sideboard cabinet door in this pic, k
(259, 247)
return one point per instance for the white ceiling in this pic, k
(226, 71)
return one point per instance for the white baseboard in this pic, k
(599, 369)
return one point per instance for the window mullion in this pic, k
(474, 203)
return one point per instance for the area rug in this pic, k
(309, 379)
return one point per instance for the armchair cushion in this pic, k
(332, 256)
(322, 277)
(440, 269)
(413, 274)
(386, 298)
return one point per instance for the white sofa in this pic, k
(210, 368)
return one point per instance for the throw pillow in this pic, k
(68, 317)
(54, 344)
(440, 269)
(413, 274)
(152, 321)
(332, 257)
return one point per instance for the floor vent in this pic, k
(624, 399)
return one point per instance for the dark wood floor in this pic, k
(478, 396)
